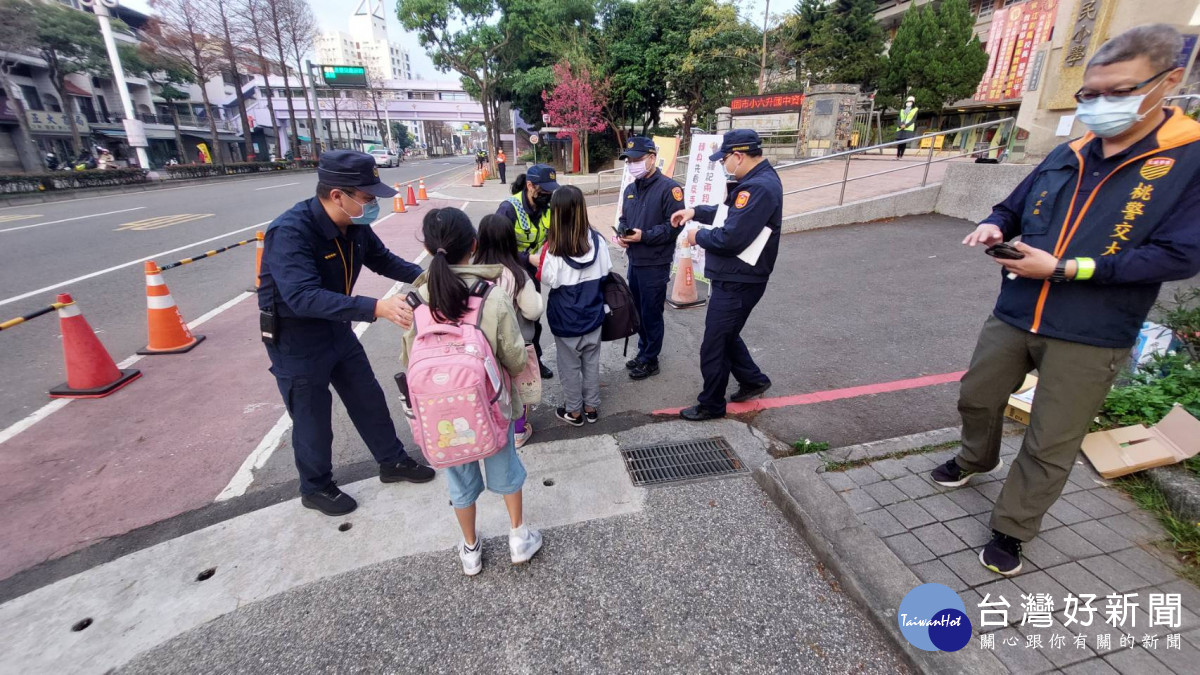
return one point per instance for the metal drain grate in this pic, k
(670, 462)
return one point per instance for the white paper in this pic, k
(751, 253)
(1064, 125)
(1026, 396)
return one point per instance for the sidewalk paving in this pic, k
(1095, 540)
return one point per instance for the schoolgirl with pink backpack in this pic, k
(460, 357)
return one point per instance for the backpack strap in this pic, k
(482, 302)
(413, 299)
(480, 288)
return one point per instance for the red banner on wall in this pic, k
(767, 103)
(1016, 33)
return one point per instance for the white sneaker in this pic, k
(472, 561)
(523, 543)
(523, 437)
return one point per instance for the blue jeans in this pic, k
(505, 476)
(648, 285)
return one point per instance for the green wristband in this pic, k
(1084, 269)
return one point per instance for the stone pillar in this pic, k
(827, 119)
(724, 119)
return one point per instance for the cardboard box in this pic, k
(1118, 452)
(1021, 402)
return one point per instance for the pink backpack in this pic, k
(457, 391)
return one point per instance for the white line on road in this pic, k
(266, 447)
(271, 187)
(67, 220)
(58, 403)
(128, 264)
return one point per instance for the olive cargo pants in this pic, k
(1073, 381)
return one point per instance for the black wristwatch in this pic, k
(1060, 271)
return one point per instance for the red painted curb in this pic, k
(833, 394)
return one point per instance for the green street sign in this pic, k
(344, 77)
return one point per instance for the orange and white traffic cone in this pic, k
(684, 293)
(421, 193)
(411, 200)
(398, 200)
(478, 182)
(91, 372)
(486, 172)
(169, 334)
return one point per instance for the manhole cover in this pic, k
(687, 460)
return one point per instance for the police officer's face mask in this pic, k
(370, 211)
(1107, 117)
(638, 167)
(730, 174)
(542, 199)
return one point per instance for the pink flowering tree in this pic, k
(576, 105)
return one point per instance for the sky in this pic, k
(335, 14)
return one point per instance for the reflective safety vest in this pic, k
(908, 122)
(530, 235)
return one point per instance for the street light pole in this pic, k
(319, 132)
(133, 126)
(762, 70)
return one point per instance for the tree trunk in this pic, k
(287, 85)
(30, 153)
(178, 134)
(313, 132)
(215, 150)
(237, 83)
(688, 115)
(587, 164)
(378, 119)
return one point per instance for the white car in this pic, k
(385, 158)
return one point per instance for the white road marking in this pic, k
(125, 195)
(272, 187)
(67, 220)
(129, 264)
(58, 403)
(159, 222)
(266, 447)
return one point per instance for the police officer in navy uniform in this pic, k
(312, 255)
(754, 201)
(649, 237)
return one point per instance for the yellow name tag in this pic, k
(331, 256)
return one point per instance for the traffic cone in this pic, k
(91, 372)
(421, 193)
(478, 179)
(411, 199)
(168, 332)
(257, 262)
(683, 293)
(486, 173)
(398, 200)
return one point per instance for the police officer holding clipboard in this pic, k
(739, 258)
(312, 255)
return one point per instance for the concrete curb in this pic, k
(150, 186)
(1182, 490)
(882, 448)
(868, 570)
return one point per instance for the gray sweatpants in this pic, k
(579, 370)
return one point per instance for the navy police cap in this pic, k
(352, 169)
(543, 176)
(638, 147)
(737, 140)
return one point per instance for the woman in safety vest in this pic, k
(529, 211)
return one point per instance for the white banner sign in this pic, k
(705, 186)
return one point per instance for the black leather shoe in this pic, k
(698, 414)
(632, 363)
(746, 393)
(643, 371)
(547, 374)
(405, 470)
(331, 501)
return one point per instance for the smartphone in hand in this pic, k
(1004, 250)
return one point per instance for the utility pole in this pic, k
(319, 132)
(135, 131)
(762, 70)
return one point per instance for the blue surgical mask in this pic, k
(370, 211)
(1107, 117)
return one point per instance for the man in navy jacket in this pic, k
(755, 203)
(1103, 221)
(649, 238)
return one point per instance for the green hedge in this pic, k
(67, 180)
(234, 168)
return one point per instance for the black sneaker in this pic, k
(643, 371)
(331, 501)
(698, 414)
(547, 374)
(573, 420)
(745, 393)
(1002, 554)
(632, 363)
(951, 474)
(591, 416)
(405, 470)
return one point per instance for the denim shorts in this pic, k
(505, 475)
